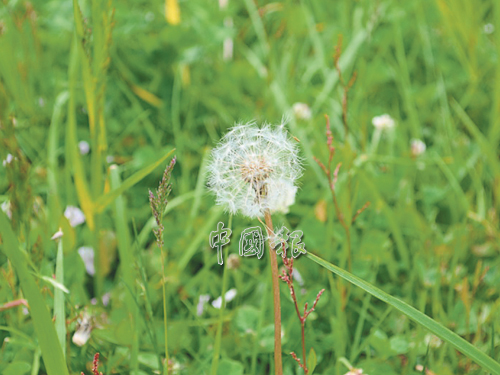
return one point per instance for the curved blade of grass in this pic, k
(436, 328)
(106, 199)
(52, 353)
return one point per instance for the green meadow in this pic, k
(109, 113)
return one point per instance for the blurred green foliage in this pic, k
(429, 237)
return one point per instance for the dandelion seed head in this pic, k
(255, 169)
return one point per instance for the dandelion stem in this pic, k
(278, 367)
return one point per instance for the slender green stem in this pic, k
(218, 337)
(164, 276)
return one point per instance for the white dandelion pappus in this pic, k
(255, 169)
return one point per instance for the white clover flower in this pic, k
(489, 28)
(74, 215)
(84, 147)
(87, 255)
(383, 122)
(417, 147)
(8, 160)
(229, 296)
(202, 301)
(254, 170)
(302, 111)
(6, 207)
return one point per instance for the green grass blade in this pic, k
(59, 312)
(486, 147)
(52, 353)
(127, 266)
(436, 328)
(218, 335)
(105, 200)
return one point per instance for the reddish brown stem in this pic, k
(287, 277)
(278, 366)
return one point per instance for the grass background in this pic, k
(136, 87)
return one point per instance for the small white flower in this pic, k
(8, 160)
(417, 147)
(254, 170)
(489, 28)
(297, 276)
(202, 301)
(355, 371)
(230, 294)
(82, 334)
(57, 235)
(74, 215)
(6, 208)
(84, 147)
(433, 341)
(383, 122)
(87, 254)
(302, 111)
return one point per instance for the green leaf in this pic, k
(17, 368)
(438, 329)
(311, 361)
(228, 366)
(52, 353)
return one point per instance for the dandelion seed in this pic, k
(74, 215)
(383, 122)
(255, 169)
(417, 147)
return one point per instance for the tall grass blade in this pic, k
(52, 353)
(436, 328)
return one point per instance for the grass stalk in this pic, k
(218, 337)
